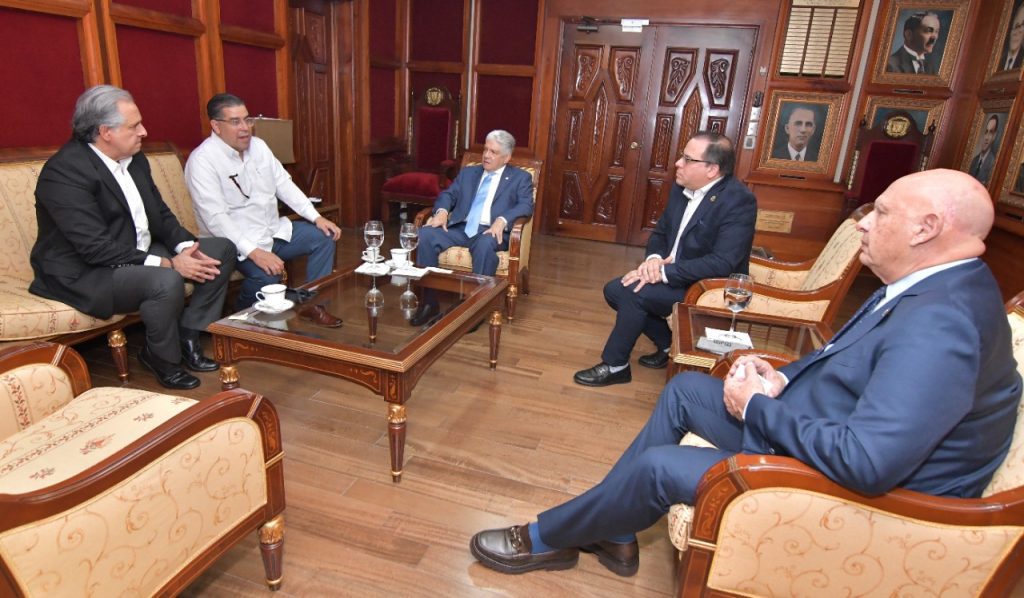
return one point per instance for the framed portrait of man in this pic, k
(987, 133)
(1008, 56)
(801, 128)
(1011, 192)
(922, 40)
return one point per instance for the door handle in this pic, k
(634, 145)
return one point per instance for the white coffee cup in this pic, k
(399, 256)
(370, 254)
(272, 295)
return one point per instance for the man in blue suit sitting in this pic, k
(919, 390)
(477, 211)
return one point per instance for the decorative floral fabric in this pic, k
(135, 537)
(29, 394)
(763, 304)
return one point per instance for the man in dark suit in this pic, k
(706, 231)
(919, 390)
(796, 143)
(920, 32)
(1013, 48)
(985, 159)
(477, 211)
(108, 244)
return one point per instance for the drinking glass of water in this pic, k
(738, 291)
(409, 236)
(373, 234)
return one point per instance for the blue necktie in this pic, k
(473, 220)
(865, 310)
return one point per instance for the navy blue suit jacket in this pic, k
(922, 394)
(717, 238)
(512, 199)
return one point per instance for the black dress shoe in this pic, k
(620, 559)
(508, 550)
(426, 313)
(601, 375)
(168, 375)
(192, 356)
(655, 361)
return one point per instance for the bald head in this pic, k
(925, 219)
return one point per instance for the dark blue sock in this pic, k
(537, 545)
(626, 539)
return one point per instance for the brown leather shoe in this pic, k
(318, 315)
(620, 559)
(508, 551)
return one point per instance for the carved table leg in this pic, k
(228, 377)
(396, 439)
(495, 337)
(272, 549)
(117, 343)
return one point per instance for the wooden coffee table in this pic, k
(376, 348)
(768, 333)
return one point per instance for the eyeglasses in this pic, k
(234, 179)
(237, 122)
(689, 160)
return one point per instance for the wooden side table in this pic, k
(768, 333)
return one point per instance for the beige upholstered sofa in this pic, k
(812, 290)
(24, 316)
(122, 492)
(771, 526)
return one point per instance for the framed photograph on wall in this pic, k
(1008, 55)
(921, 40)
(1011, 192)
(924, 112)
(987, 137)
(801, 129)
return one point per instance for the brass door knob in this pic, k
(634, 145)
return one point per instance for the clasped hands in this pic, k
(194, 264)
(648, 272)
(440, 219)
(750, 375)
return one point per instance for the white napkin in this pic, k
(372, 269)
(410, 271)
(438, 270)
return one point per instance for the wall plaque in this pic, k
(774, 221)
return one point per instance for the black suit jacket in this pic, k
(717, 238)
(902, 62)
(86, 228)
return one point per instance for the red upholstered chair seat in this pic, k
(422, 184)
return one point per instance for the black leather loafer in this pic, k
(508, 551)
(620, 559)
(601, 375)
(193, 358)
(426, 313)
(655, 361)
(169, 376)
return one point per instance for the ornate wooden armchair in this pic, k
(772, 526)
(430, 165)
(513, 264)
(123, 492)
(811, 290)
(884, 153)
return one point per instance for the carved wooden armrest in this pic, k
(515, 236)
(781, 265)
(826, 292)
(43, 352)
(422, 216)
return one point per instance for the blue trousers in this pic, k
(655, 472)
(308, 240)
(484, 248)
(636, 314)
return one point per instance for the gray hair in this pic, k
(95, 108)
(504, 139)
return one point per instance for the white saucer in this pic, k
(380, 258)
(276, 309)
(376, 269)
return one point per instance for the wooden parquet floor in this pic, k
(485, 449)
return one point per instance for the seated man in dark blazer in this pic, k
(706, 231)
(919, 390)
(477, 211)
(108, 244)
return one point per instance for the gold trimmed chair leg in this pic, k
(119, 352)
(272, 549)
(510, 302)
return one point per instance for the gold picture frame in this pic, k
(940, 50)
(1013, 14)
(925, 112)
(983, 152)
(789, 114)
(1011, 192)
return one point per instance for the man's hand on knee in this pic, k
(195, 265)
(440, 219)
(497, 230)
(267, 261)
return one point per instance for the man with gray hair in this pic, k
(108, 244)
(477, 211)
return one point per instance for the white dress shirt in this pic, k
(143, 238)
(795, 154)
(219, 178)
(695, 198)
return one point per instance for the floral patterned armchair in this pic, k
(772, 526)
(811, 290)
(123, 492)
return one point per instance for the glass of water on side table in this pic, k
(738, 291)
(409, 237)
(373, 235)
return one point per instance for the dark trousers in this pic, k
(307, 239)
(636, 314)
(655, 472)
(484, 248)
(158, 294)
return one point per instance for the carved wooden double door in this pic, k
(627, 104)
